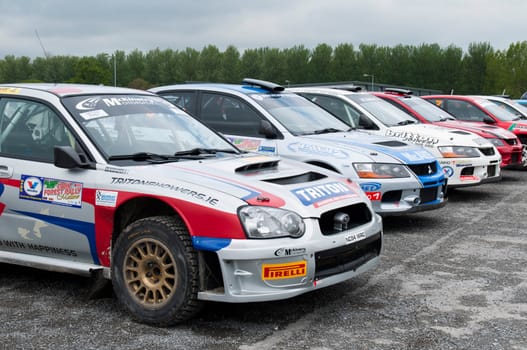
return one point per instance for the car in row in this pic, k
(466, 158)
(261, 116)
(121, 185)
(507, 143)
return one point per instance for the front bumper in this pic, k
(464, 172)
(275, 269)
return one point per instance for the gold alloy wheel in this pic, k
(150, 272)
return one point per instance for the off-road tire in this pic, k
(155, 271)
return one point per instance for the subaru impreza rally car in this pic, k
(120, 184)
(261, 116)
(466, 158)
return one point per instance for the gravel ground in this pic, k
(453, 278)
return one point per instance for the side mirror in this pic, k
(366, 123)
(66, 157)
(488, 120)
(267, 130)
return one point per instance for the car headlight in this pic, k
(380, 170)
(458, 152)
(497, 142)
(268, 222)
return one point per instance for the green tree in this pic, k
(209, 64)
(230, 69)
(250, 64)
(344, 64)
(320, 64)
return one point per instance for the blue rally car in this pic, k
(260, 116)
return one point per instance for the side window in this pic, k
(465, 110)
(30, 129)
(186, 100)
(229, 115)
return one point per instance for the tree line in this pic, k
(479, 70)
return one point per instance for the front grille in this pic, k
(511, 141)
(347, 258)
(424, 169)
(488, 151)
(515, 157)
(428, 194)
(359, 214)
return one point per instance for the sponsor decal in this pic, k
(109, 169)
(373, 196)
(323, 194)
(283, 271)
(52, 191)
(98, 113)
(469, 178)
(448, 171)
(317, 149)
(427, 141)
(94, 102)
(186, 191)
(246, 145)
(37, 247)
(417, 155)
(267, 149)
(9, 90)
(290, 251)
(370, 186)
(105, 198)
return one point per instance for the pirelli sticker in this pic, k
(285, 270)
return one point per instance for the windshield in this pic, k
(121, 125)
(385, 112)
(513, 107)
(497, 111)
(427, 110)
(298, 115)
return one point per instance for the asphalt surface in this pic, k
(453, 278)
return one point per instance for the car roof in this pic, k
(66, 89)
(321, 90)
(248, 86)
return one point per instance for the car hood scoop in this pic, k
(259, 166)
(391, 143)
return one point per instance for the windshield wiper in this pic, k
(202, 151)
(326, 131)
(142, 156)
(406, 122)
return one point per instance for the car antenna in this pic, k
(46, 54)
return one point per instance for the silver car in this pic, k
(121, 185)
(260, 116)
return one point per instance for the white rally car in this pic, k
(120, 184)
(467, 159)
(260, 116)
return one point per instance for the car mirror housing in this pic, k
(267, 130)
(66, 157)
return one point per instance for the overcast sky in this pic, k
(87, 28)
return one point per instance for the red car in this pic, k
(484, 112)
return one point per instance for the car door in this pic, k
(237, 120)
(42, 211)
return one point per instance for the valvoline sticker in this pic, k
(322, 194)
